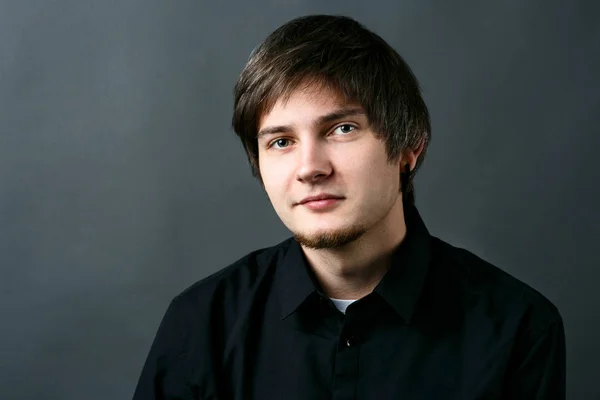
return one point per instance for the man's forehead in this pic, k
(314, 91)
(317, 100)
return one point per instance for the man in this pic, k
(362, 302)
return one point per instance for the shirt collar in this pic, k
(400, 287)
(294, 280)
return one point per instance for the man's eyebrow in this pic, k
(332, 116)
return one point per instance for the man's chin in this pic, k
(331, 239)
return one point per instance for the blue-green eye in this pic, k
(345, 128)
(278, 141)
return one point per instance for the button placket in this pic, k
(350, 341)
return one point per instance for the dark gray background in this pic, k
(121, 182)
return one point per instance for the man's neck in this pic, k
(355, 270)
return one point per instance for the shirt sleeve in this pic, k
(160, 377)
(538, 364)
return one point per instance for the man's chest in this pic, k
(378, 362)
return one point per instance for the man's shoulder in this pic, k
(236, 281)
(492, 286)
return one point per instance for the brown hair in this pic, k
(339, 52)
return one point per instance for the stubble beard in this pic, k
(330, 239)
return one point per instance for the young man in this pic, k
(362, 302)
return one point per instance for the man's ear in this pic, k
(410, 156)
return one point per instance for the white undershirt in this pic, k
(342, 304)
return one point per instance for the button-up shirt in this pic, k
(441, 324)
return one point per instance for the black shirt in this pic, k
(441, 324)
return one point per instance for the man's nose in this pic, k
(313, 162)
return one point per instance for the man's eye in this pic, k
(277, 143)
(345, 128)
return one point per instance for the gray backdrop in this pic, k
(121, 182)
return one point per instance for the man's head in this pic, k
(305, 72)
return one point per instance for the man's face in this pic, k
(317, 143)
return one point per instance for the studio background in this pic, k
(122, 183)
